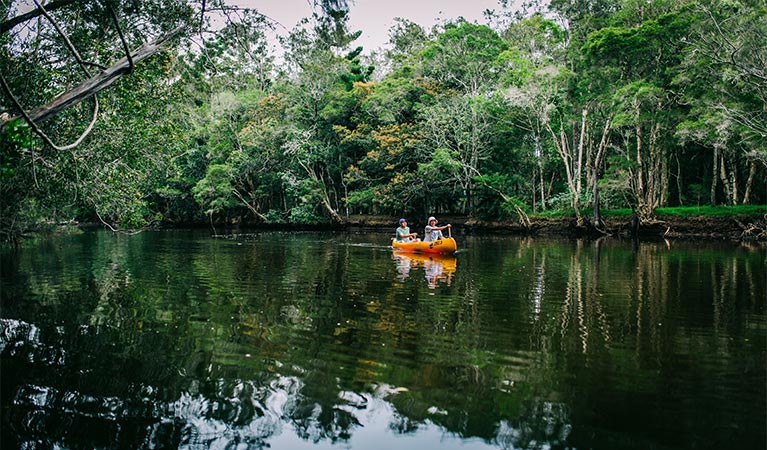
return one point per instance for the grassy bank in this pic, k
(742, 222)
(681, 211)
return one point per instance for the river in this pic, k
(176, 339)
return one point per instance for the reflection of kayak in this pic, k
(437, 267)
(444, 245)
(447, 262)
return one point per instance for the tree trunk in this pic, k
(715, 176)
(324, 197)
(640, 172)
(678, 178)
(749, 183)
(566, 155)
(581, 141)
(248, 205)
(539, 159)
(597, 217)
(733, 178)
(543, 191)
(725, 181)
(601, 150)
(663, 174)
(656, 186)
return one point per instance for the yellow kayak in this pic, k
(444, 246)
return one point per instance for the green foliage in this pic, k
(304, 215)
(214, 192)
(363, 200)
(630, 46)
(275, 216)
(465, 57)
(16, 136)
(462, 119)
(494, 199)
(357, 73)
(563, 200)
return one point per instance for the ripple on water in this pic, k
(319, 340)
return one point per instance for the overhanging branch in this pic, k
(10, 23)
(99, 81)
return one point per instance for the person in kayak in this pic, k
(432, 232)
(404, 234)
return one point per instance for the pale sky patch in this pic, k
(375, 17)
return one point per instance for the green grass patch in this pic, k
(680, 211)
(713, 211)
(559, 213)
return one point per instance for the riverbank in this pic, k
(735, 227)
(740, 227)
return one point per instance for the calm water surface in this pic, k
(323, 340)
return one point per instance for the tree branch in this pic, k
(10, 23)
(70, 46)
(98, 82)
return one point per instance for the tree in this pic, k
(531, 80)
(724, 82)
(464, 57)
(637, 55)
(63, 44)
(457, 130)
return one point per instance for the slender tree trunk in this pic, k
(550, 186)
(678, 178)
(597, 217)
(643, 178)
(640, 172)
(601, 150)
(565, 153)
(725, 181)
(749, 183)
(346, 195)
(324, 197)
(657, 175)
(663, 172)
(543, 192)
(539, 159)
(248, 205)
(734, 181)
(581, 141)
(662, 180)
(715, 176)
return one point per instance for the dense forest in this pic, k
(137, 114)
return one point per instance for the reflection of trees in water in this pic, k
(628, 333)
(206, 411)
(641, 298)
(320, 350)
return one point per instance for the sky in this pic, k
(375, 17)
(372, 17)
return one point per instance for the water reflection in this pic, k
(176, 340)
(436, 268)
